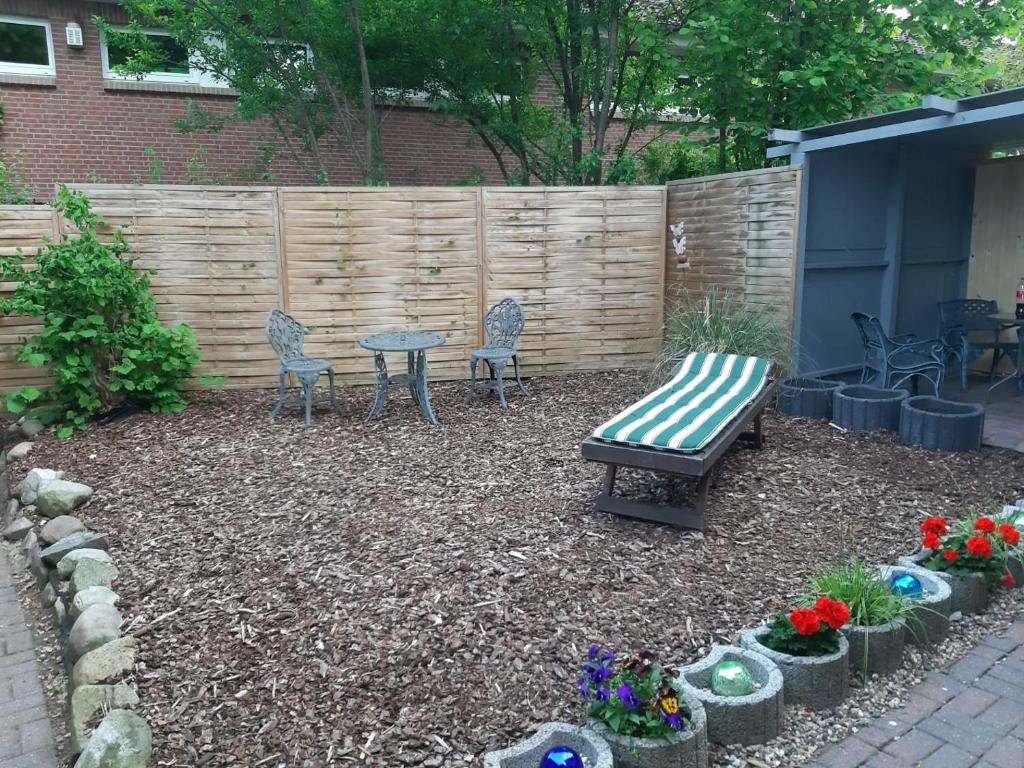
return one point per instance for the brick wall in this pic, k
(79, 128)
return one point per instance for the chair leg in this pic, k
(471, 395)
(519, 381)
(496, 370)
(963, 374)
(330, 379)
(280, 394)
(308, 385)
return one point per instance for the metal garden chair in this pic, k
(503, 323)
(286, 334)
(890, 361)
(967, 330)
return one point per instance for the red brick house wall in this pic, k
(78, 127)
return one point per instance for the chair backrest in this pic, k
(872, 334)
(285, 334)
(503, 323)
(966, 315)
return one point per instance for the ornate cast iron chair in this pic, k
(890, 361)
(503, 323)
(285, 334)
(968, 331)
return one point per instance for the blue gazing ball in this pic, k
(561, 757)
(907, 585)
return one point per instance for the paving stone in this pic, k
(876, 735)
(847, 754)
(882, 760)
(968, 704)
(1002, 688)
(949, 756)
(913, 746)
(972, 736)
(970, 668)
(1008, 752)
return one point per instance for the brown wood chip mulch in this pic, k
(394, 594)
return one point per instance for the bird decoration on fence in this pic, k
(679, 244)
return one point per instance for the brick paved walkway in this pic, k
(971, 714)
(26, 740)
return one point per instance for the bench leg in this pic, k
(609, 479)
(681, 517)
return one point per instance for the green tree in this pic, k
(751, 66)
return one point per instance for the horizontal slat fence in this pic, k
(586, 263)
(22, 228)
(741, 234)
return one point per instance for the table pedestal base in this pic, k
(415, 379)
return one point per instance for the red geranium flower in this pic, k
(951, 554)
(936, 525)
(984, 525)
(835, 613)
(805, 621)
(979, 546)
(1009, 533)
(1008, 579)
(931, 541)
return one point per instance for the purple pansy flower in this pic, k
(602, 693)
(627, 697)
(675, 720)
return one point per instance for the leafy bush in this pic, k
(13, 189)
(101, 337)
(717, 322)
(869, 597)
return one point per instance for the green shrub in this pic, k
(869, 596)
(717, 322)
(101, 337)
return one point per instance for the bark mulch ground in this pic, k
(395, 594)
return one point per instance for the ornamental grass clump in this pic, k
(810, 631)
(633, 697)
(101, 338)
(870, 599)
(976, 545)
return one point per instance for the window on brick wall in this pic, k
(176, 63)
(26, 46)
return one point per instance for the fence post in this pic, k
(281, 244)
(481, 250)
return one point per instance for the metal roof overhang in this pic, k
(985, 122)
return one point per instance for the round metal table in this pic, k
(415, 344)
(1007, 321)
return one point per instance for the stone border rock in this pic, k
(687, 750)
(752, 719)
(816, 682)
(928, 623)
(75, 574)
(529, 752)
(941, 425)
(970, 594)
(806, 398)
(876, 649)
(862, 408)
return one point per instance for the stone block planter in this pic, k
(529, 752)
(861, 408)
(969, 594)
(752, 719)
(816, 682)
(806, 398)
(685, 750)
(941, 425)
(929, 621)
(1016, 563)
(876, 649)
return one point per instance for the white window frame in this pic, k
(196, 74)
(12, 68)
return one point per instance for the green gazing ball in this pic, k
(731, 678)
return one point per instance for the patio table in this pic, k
(1007, 321)
(415, 344)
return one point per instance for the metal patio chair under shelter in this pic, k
(890, 361)
(968, 330)
(286, 335)
(503, 324)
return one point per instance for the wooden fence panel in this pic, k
(741, 232)
(587, 266)
(215, 253)
(365, 260)
(22, 228)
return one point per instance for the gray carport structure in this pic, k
(885, 221)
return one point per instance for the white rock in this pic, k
(98, 624)
(66, 565)
(98, 595)
(58, 497)
(26, 490)
(59, 527)
(20, 451)
(122, 740)
(18, 529)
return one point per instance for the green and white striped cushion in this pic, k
(686, 414)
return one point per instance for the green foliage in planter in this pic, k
(101, 337)
(783, 637)
(870, 598)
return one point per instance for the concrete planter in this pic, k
(529, 752)
(816, 682)
(752, 719)
(876, 649)
(685, 750)
(970, 593)
(929, 622)
(861, 408)
(806, 398)
(1015, 565)
(942, 425)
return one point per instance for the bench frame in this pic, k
(699, 466)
